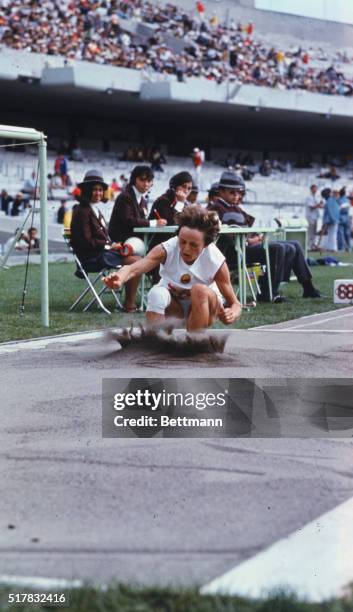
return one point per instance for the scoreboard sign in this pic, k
(343, 291)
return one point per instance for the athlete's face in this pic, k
(97, 194)
(191, 244)
(143, 184)
(231, 196)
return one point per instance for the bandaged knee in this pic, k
(158, 300)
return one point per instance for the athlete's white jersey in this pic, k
(180, 274)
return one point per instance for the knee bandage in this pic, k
(158, 300)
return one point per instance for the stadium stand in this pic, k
(165, 39)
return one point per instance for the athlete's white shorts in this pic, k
(159, 298)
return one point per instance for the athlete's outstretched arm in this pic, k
(232, 310)
(116, 280)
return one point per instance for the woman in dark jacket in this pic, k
(174, 199)
(89, 235)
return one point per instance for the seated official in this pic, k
(89, 235)
(130, 208)
(285, 255)
(172, 202)
(195, 283)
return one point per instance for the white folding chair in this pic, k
(83, 273)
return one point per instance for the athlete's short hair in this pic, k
(205, 221)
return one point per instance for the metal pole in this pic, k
(44, 275)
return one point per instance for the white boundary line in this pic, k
(273, 326)
(342, 316)
(38, 343)
(315, 314)
(307, 331)
(39, 583)
(315, 562)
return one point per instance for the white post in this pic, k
(31, 135)
(44, 275)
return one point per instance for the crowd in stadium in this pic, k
(93, 30)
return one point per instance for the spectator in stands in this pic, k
(266, 168)
(331, 220)
(61, 168)
(89, 235)
(332, 174)
(54, 183)
(5, 201)
(18, 204)
(32, 239)
(77, 155)
(115, 186)
(344, 234)
(61, 212)
(130, 208)
(313, 204)
(223, 52)
(123, 181)
(29, 186)
(157, 159)
(285, 256)
(21, 243)
(198, 158)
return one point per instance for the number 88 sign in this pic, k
(343, 291)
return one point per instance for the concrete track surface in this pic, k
(157, 511)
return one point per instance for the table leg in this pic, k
(268, 267)
(240, 265)
(243, 271)
(143, 279)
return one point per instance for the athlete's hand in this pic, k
(229, 315)
(161, 222)
(115, 280)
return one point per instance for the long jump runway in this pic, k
(159, 511)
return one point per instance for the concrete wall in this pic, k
(79, 75)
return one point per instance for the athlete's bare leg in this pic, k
(174, 310)
(131, 286)
(204, 308)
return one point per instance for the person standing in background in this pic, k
(313, 204)
(344, 233)
(331, 220)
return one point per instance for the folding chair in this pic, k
(83, 273)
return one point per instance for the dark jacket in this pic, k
(231, 214)
(163, 207)
(88, 235)
(126, 215)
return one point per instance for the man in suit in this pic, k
(130, 208)
(89, 235)
(285, 255)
